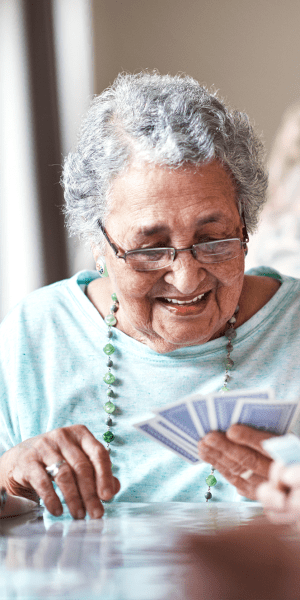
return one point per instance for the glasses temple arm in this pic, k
(112, 245)
(244, 230)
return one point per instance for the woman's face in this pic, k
(154, 206)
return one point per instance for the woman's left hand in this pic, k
(235, 453)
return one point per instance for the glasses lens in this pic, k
(149, 260)
(218, 251)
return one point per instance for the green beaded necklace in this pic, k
(110, 379)
(230, 333)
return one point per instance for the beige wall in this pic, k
(248, 49)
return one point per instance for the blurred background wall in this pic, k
(54, 54)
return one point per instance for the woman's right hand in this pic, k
(85, 478)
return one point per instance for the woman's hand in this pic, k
(234, 453)
(84, 478)
(281, 494)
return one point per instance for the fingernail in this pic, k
(57, 512)
(108, 492)
(97, 513)
(80, 514)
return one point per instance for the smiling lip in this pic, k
(191, 307)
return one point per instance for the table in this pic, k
(132, 553)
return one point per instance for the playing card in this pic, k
(181, 425)
(285, 448)
(221, 406)
(180, 416)
(170, 432)
(151, 430)
(271, 415)
(199, 410)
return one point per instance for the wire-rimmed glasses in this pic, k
(152, 259)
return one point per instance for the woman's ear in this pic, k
(100, 264)
(98, 258)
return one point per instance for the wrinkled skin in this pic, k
(84, 479)
(235, 452)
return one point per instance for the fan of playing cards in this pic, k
(181, 425)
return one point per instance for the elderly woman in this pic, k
(164, 184)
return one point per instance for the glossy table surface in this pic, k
(132, 553)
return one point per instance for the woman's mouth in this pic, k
(185, 307)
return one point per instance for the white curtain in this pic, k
(22, 266)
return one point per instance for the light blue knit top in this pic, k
(51, 375)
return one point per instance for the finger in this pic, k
(216, 459)
(244, 487)
(76, 479)
(100, 459)
(67, 481)
(248, 436)
(52, 451)
(117, 485)
(222, 448)
(37, 478)
(17, 506)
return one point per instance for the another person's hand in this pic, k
(236, 453)
(85, 478)
(281, 494)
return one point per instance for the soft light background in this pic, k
(248, 50)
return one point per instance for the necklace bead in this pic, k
(110, 320)
(109, 349)
(230, 334)
(109, 378)
(211, 480)
(109, 407)
(108, 436)
(229, 363)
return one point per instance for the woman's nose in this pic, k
(185, 273)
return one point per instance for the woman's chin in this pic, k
(184, 334)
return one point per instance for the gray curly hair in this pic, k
(163, 120)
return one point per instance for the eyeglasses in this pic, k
(151, 259)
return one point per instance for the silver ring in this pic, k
(52, 470)
(247, 474)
